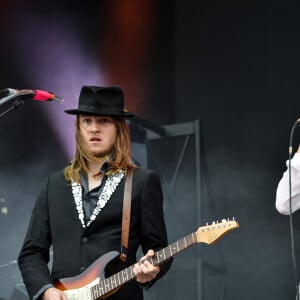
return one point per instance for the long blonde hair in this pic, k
(119, 158)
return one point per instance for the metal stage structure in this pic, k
(146, 149)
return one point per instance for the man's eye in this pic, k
(86, 121)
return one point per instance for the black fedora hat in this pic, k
(102, 101)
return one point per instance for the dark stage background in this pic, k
(231, 65)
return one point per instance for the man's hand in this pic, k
(54, 294)
(144, 270)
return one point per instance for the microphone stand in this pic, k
(19, 99)
(15, 104)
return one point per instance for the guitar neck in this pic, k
(118, 279)
(173, 249)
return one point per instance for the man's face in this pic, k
(99, 133)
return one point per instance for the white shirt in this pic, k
(282, 194)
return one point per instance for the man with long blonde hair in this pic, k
(79, 209)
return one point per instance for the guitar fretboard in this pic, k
(107, 285)
(173, 249)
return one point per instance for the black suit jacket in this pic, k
(55, 222)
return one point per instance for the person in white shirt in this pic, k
(282, 193)
(283, 203)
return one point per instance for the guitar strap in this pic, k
(126, 214)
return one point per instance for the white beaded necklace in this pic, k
(109, 187)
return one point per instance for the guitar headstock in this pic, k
(209, 234)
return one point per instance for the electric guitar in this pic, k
(92, 285)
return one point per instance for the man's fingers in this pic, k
(144, 270)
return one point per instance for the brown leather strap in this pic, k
(126, 214)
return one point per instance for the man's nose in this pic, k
(95, 126)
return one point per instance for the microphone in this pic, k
(39, 95)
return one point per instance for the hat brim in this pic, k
(124, 114)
